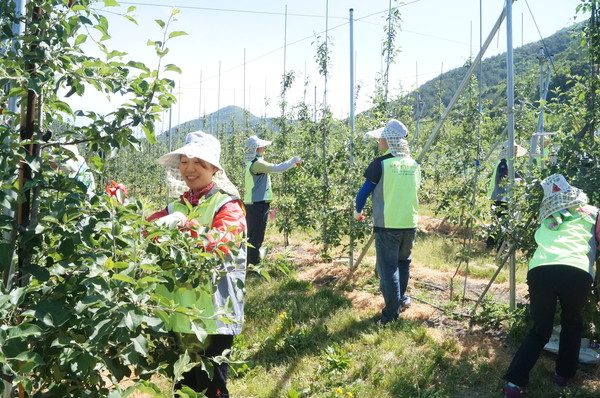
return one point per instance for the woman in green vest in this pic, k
(497, 190)
(217, 208)
(561, 269)
(258, 193)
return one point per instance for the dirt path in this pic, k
(425, 281)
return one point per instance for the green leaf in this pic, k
(29, 356)
(40, 273)
(149, 388)
(132, 319)
(84, 20)
(80, 39)
(140, 344)
(150, 279)
(124, 278)
(63, 107)
(34, 163)
(172, 68)
(24, 330)
(114, 54)
(100, 330)
(67, 247)
(183, 365)
(177, 33)
(62, 341)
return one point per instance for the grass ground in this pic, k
(311, 332)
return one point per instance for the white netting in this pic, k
(249, 155)
(398, 146)
(559, 195)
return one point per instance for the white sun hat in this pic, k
(252, 144)
(519, 150)
(197, 144)
(393, 129)
(255, 142)
(559, 195)
(395, 133)
(201, 145)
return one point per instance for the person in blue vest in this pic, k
(561, 269)
(497, 188)
(218, 210)
(394, 179)
(258, 193)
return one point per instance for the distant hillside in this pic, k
(568, 60)
(224, 118)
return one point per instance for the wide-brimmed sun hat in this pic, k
(201, 145)
(395, 133)
(393, 129)
(559, 195)
(255, 142)
(519, 150)
(197, 144)
(252, 144)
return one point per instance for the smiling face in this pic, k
(196, 173)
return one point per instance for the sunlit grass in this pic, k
(447, 254)
(312, 343)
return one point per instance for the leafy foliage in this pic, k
(79, 313)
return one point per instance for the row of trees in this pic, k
(77, 300)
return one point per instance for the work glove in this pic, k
(173, 220)
(358, 216)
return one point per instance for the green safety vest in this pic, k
(258, 186)
(571, 243)
(202, 297)
(395, 199)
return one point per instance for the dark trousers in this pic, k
(199, 381)
(500, 210)
(256, 216)
(547, 284)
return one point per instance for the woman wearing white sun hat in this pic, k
(258, 193)
(197, 165)
(562, 268)
(498, 185)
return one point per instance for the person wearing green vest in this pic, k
(216, 208)
(393, 179)
(497, 189)
(258, 193)
(561, 269)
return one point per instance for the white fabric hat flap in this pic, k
(559, 195)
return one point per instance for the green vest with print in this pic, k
(395, 199)
(184, 294)
(257, 186)
(570, 243)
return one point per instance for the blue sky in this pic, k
(236, 51)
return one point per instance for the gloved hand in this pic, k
(173, 220)
(297, 160)
(358, 216)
